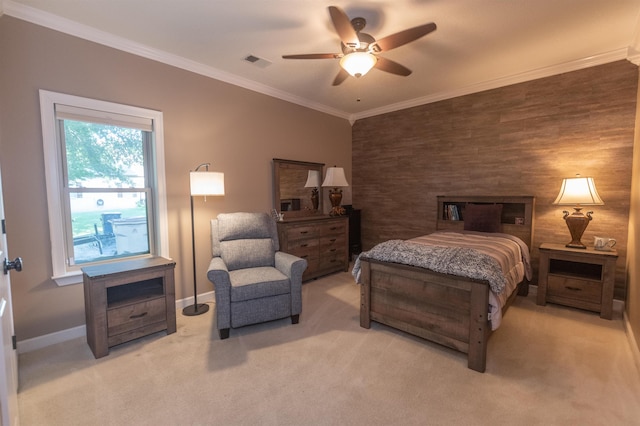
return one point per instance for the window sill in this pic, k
(68, 279)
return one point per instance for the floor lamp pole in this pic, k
(195, 309)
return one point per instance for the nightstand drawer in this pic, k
(571, 288)
(127, 318)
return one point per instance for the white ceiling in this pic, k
(479, 44)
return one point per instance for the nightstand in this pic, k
(127, 300)
(580, 278)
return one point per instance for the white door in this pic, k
(8, 355)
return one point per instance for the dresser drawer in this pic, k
(127, 318)
(571, 288)
(301, 232)
(335, 262)
(313, 266)
(333, 246)
(333, 228)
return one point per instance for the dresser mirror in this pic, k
(290, 196)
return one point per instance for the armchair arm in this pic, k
(293, 267)
(218, 274)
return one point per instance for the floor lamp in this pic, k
(203, 183)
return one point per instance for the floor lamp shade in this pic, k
(206, 183)
(202, 184)
(578, 192)
(335, 178)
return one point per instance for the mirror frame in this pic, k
(280, 165)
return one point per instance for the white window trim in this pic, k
(61, 275)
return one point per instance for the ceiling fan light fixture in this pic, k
(358, 63)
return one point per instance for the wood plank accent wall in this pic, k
(515, 140)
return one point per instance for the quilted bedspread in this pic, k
(460, 261)
(500, 259)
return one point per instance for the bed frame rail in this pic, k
(444, 309)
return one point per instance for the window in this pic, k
(105, 182)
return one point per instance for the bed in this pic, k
(441, 305)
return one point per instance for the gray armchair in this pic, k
(253, 281)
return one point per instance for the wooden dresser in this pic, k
(322, 240)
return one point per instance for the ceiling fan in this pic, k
(360, 50)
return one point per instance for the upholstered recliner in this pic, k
(253, 281)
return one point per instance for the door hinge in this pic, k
(14, 342)
(4, 229)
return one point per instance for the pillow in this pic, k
(483, 217)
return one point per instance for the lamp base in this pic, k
(314, 199)
(577, 222)
(335, 195)
(197, 309)
(576, 246)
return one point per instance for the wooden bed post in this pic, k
(365, 294)
(479, 327)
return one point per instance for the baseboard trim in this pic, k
(633, 343)
(40, 342)
(28, 345)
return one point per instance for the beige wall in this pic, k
(237, 130)
(633, 248)
(516, 140)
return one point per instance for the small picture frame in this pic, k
(519, 220)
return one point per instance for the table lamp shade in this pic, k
(578, 190)
(313, 179)
(206, 183)
(335, 177)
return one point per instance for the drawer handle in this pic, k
(304, 232)
(332, 250)
(304, 257)
(333, 228)
(304, 245)
(333, 240)
(573, 288)
(138, 316)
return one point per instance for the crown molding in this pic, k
(67, 26)
(579, 64)
(76, 29)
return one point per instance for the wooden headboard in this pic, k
(517, 213)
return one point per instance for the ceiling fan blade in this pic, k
(314, 56)
(343, 26)
(390, 66)
(342, 76)
(403, 37)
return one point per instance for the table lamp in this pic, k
(578, 192)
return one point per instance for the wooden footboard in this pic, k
(444, 309)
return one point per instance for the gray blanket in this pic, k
(460, 261)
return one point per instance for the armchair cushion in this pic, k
(238, 254)
(254, 283)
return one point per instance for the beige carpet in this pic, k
(546, 365)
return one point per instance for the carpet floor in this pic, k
(545, 366)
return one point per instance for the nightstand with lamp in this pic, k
(573, 274)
